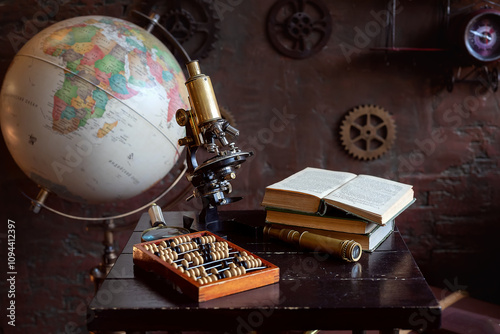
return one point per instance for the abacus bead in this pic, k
(187, 257)
(237, 271)
(185, 263)
(174, 265)
(157, 254)
(205, 258)
(163, 257)
(214, 271)
(227, 273)
(181, 269)
(232, 265)
(163, 244)
(169, 261)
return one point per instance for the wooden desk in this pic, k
(384, 290)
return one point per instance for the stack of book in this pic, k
(340, 205)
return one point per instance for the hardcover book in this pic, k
(311, 190)
(368, 241)
(334, 220)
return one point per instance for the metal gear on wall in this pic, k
(194, 23)
(299, 28)
(367, 132)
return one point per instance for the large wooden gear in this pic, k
(367, 132)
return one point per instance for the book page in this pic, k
(314, 181)
(370, 193)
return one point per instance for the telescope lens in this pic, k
(356, 252)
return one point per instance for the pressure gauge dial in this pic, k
(481, 35)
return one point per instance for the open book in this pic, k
(369, 197)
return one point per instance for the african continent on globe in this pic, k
(88, 109)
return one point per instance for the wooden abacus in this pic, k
(204, 266)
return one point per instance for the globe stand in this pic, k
(37, 204)
(98, 273)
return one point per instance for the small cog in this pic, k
(367, 132)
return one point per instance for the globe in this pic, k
(87, 109)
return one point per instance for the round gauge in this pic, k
(482, 38)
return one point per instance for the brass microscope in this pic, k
(207, 129)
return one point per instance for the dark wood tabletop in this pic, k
(384, 290)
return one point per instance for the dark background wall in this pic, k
(447, 144)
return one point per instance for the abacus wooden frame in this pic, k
(203, 292)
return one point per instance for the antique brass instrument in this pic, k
(347, 250)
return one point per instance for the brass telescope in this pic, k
(347, 250)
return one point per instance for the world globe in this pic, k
(87, 109)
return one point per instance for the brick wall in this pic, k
(447, 144)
